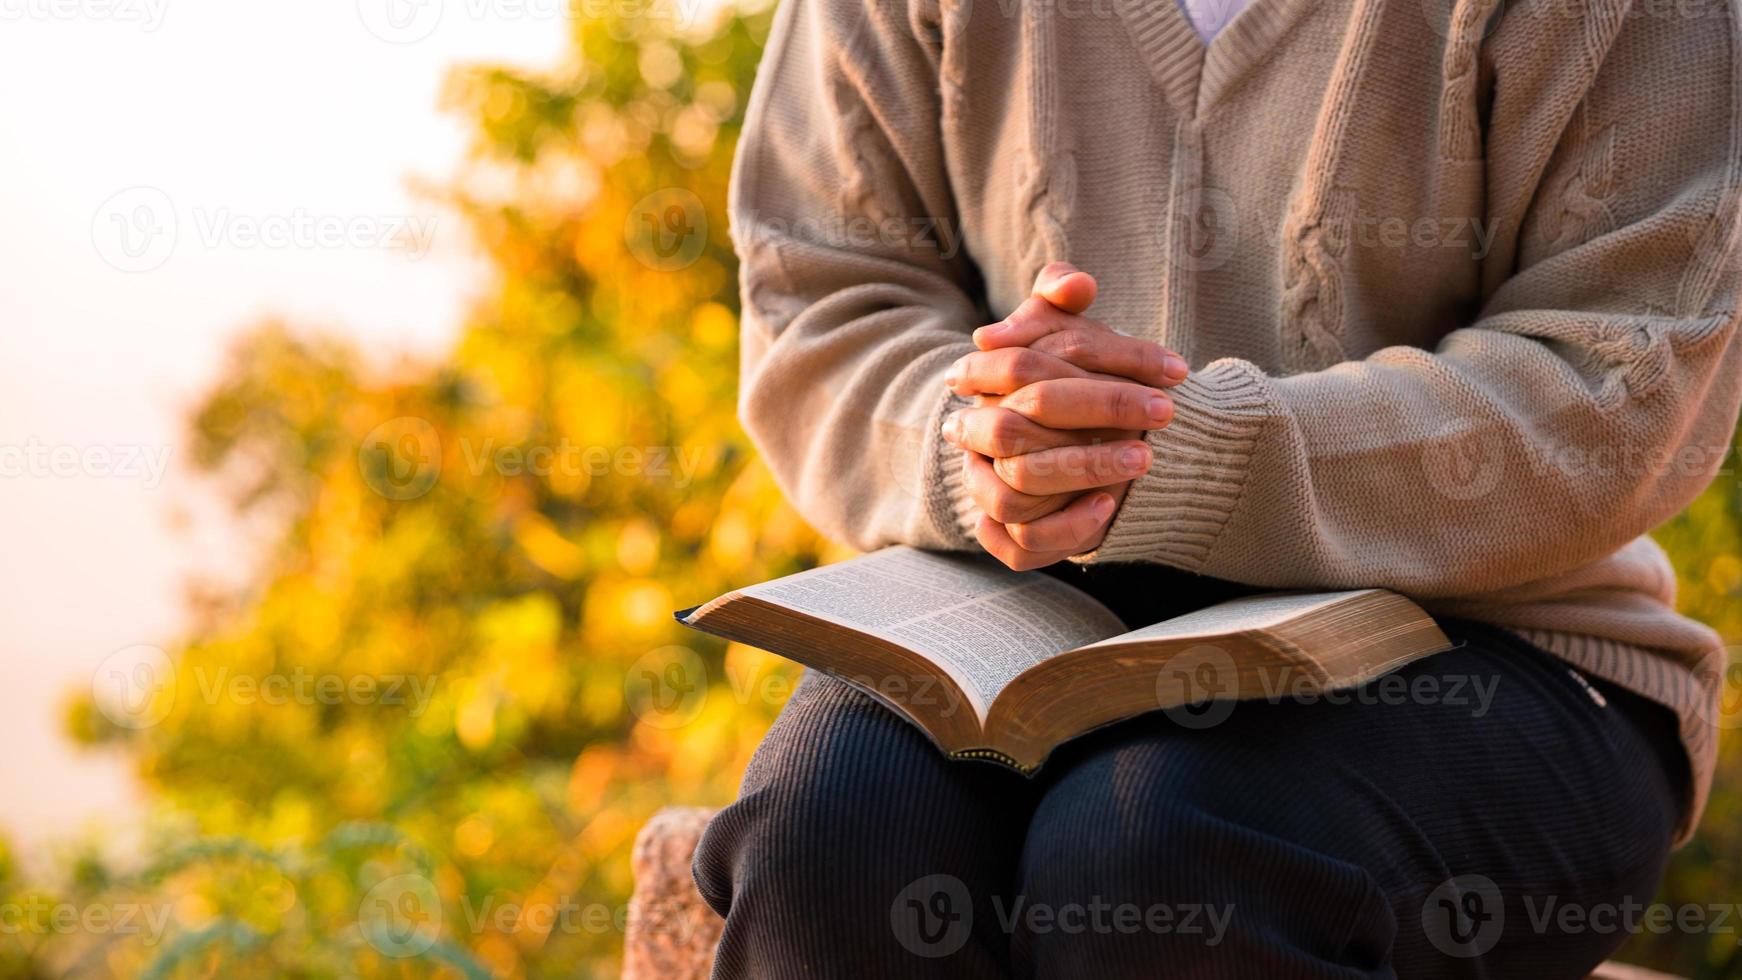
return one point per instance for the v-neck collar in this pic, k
(1194, 75)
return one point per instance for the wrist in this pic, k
(1174, 513)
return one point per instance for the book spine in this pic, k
(993, 755)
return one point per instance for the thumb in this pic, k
(1066, 287)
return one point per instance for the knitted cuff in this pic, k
(952, 511)
(1174, 513)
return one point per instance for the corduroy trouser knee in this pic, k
(1440, 822)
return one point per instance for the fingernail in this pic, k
(1160, 410)
(1175, 368)
(1134, 460)
(953, 375)
(1101, 507)
(990, 332)
(953, 428)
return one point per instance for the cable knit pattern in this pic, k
(1584, 195)
(1048, 183)
(853, 136)
(1312, 301)
(954, 19)
(1460, 134)
(1490, 428)
(1315, 235)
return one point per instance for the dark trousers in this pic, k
(1438, 824)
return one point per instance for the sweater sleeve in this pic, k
(1593, 396)
(852, 275)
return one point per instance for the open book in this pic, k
(1001, 665)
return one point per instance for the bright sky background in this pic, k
(225, 118)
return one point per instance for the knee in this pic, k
(1151, 812)
(1121, 826)
(843, 797)
(1169, 848)
(848, 825)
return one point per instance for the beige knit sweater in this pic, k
(1458, 285)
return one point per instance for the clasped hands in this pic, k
(1055, 436)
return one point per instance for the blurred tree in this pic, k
(422, 739)
(1705, 542)
(479, 558)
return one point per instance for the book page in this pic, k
(977, 619)
(1235, 615)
